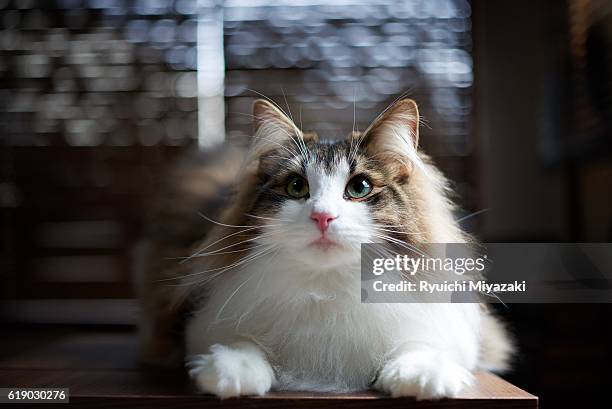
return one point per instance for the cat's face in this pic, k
(324, 203)
(319, 201)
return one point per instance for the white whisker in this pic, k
(219, 241)
(241, 261)
(476, 213)
(269, 218)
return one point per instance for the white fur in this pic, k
(301, 306)
(426, 374)
(241, 369)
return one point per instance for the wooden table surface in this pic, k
(98, 365)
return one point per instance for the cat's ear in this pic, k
(393, 137)
(266, 114)
(399, 121)
(273, 128)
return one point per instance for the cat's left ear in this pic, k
(393, 137)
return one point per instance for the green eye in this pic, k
(297, 187)
(358, 187)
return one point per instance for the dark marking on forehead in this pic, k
(329, 155)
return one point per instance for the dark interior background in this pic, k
(542, 116)
(98, 98)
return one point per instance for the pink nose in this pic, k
(323, 219)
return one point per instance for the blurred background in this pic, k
(99, 97)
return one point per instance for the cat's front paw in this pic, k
(232, 371)
(424, 374)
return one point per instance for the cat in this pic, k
(271, 296)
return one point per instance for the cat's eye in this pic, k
(297, 187)
(358, 187)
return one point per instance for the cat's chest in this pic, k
(287, 312)
(342, 343)
(318, 325)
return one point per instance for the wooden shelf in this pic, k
(98, 366)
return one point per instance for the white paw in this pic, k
(424, 374)
(232, 371)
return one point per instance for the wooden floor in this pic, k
(98, 366)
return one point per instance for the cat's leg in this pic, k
(424, 373)
(235, 370)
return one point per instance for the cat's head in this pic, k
(318, 201)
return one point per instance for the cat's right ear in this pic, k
(273, 129)
(269, 118)
(266, 112)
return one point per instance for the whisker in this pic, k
(208, 279)
(231, 296)
(291, 152)
(299, 143)
(214, 252)
(476, 213)
(268, 218)
(219, 223)
(402, 244)
(397, 231)
(220, 252)
(219, 241)
(354, 107)
(232, 225)
(234, 264)
(287, 103)
(242, 262)
(301, 125)
(251, 239)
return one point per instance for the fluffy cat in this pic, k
(272, 295)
